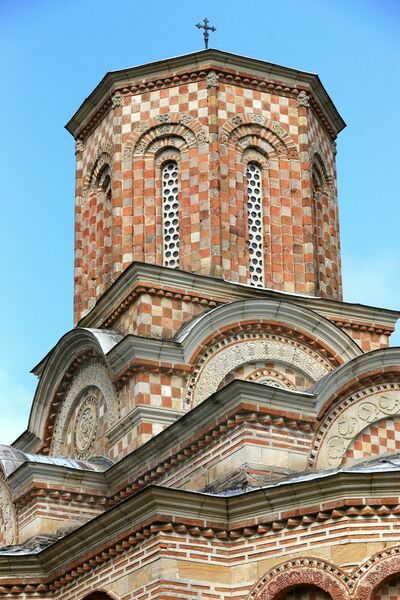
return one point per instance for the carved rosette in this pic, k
(85, 428)
(92, 379)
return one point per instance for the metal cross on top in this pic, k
(206, 28)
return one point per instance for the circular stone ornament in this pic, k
(85, 427)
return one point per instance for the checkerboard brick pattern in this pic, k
(212, 131)
(389, 591)
(382, 437)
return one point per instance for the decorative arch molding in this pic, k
(103, 160)
(334, 343)
(251, 125)
(376, 571)
(90, 384)
(208, 343)
(54, 371)
(99, 594)
(301, 571)
(261, 375)
(238, 349)
(350, 417)
(360, 392)
(165, 125)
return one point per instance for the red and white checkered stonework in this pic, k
(214, 127)
(186, 438)
(382, 437)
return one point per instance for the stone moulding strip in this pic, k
(160, 292)
(346, 510)
(222, 292)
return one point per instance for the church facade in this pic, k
(219, 424)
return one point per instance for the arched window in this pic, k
(170, 213)
(255, 227)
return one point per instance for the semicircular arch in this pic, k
(78, 343)
(251, 330)
(375, 572)
(306, 571)
(338, 345)
(254, 125)
(165, 125)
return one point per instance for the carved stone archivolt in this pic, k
(179, 125)
(301, 571)
(349, 418)
(92, 376)
(8, 522)
(244, 130)
(233, 351)
(271, 377)
(377, 570)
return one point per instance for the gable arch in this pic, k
(361, 392)
(195, 334)
(72, 348)
(250, 330)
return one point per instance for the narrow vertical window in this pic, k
(255, 228)
(170, 209)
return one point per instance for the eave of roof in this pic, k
(203, 58)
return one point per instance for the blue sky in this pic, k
(53, 53)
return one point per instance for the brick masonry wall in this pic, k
(212, 129)
(188, 566)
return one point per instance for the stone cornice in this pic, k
(190, 67)
(157, 510)
(46, 475)
(140, 278)
(237, 404)
(143, 412)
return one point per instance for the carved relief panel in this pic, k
(89, 410)
(351, 417)
(228, 354)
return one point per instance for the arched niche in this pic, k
(309, 578)
(305, 592)
(100, 595)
